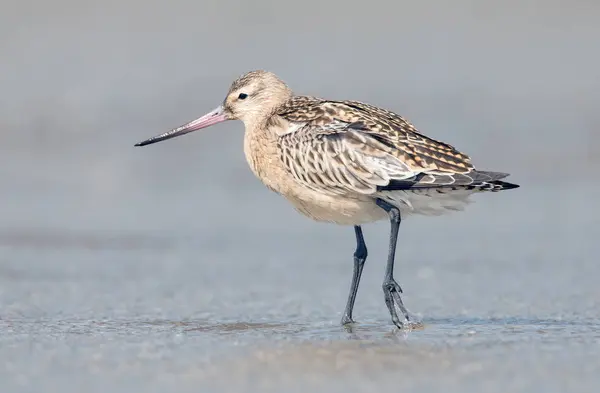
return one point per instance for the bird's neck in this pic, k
(260, 147)
(265, 120)
(259, 135)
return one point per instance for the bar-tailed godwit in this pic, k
(346, 162)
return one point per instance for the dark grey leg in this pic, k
(360, 256)
(391, 289)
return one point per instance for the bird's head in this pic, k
(251, 98)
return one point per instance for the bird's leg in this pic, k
(360, 256)
(391, 289)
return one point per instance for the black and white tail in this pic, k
(494, 186)
(436, 194)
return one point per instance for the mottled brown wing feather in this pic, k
(343, 145)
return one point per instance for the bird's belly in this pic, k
(349, 209)
(338, 209)
(428, 202)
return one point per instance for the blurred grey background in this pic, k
(145, 264)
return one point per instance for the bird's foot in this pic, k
(391, 292)
(347, 320)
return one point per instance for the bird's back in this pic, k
(342, 147)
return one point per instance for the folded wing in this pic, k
(341, 146)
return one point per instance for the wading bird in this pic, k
(346, 162)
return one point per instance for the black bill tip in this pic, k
(155, 139)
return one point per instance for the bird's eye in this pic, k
(243, 96)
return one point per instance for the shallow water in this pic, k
(170, 268)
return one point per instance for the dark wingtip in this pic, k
(503, 185)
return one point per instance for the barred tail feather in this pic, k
(495, 186)
(435, 201)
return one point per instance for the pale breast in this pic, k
(265, 162)
(260, 150)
